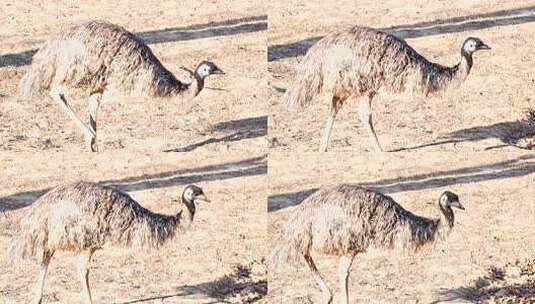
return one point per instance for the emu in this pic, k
(345, 220)
(83, 217)
(91, 57)
(356, 63)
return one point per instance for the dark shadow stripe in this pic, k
(520, 166)
(248, 167)
(245, 128)
(421, 29)
(196, 31)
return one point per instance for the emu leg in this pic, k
(365, 115)
(94, 103)
(343, 275)
(83, 260)
(59, 98)
(325, 291)
(42, 276)
(327, 129)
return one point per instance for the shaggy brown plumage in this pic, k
(96, 55)
(360, 61)
(344, 220)
(83, 217)
(91, 57)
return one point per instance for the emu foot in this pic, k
(91, 143)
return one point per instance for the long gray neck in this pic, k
(186, 214)
(441, 79)
(198, 83)
(455, 75)
(447, 220)
(465, 65)
(190, 89)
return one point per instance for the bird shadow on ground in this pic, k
(17, 59)
(196, 31)
(427, 28)
(519, 166)
(248, 167)
(495, 286)
(511, 133)
(241, 284)
(241, 129)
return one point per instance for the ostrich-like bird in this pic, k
(356, 63)
(345, 220)
(91, 57)
(84, 217)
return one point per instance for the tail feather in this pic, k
(283, 252)
(35, 82)
(307, 84)
(26, 85)
(294, 241)
(21, 248)
(28, 243)
(39, 77)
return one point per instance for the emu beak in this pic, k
(218, 71)
(483, 47)
(457, 204)
(202, 197)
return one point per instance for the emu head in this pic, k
(472, 44)
(193, 193)
(447, 200)
(207, 68)
(190, 195)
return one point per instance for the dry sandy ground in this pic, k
(230, 33)
(474, 117)
(219, 259)
(495, 230)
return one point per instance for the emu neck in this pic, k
(455, 75)
(446, 220)
(198, 84)
(188, 213)
(465, 65)
(190, 89)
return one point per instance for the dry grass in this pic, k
(512, 283)
(244, 284)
